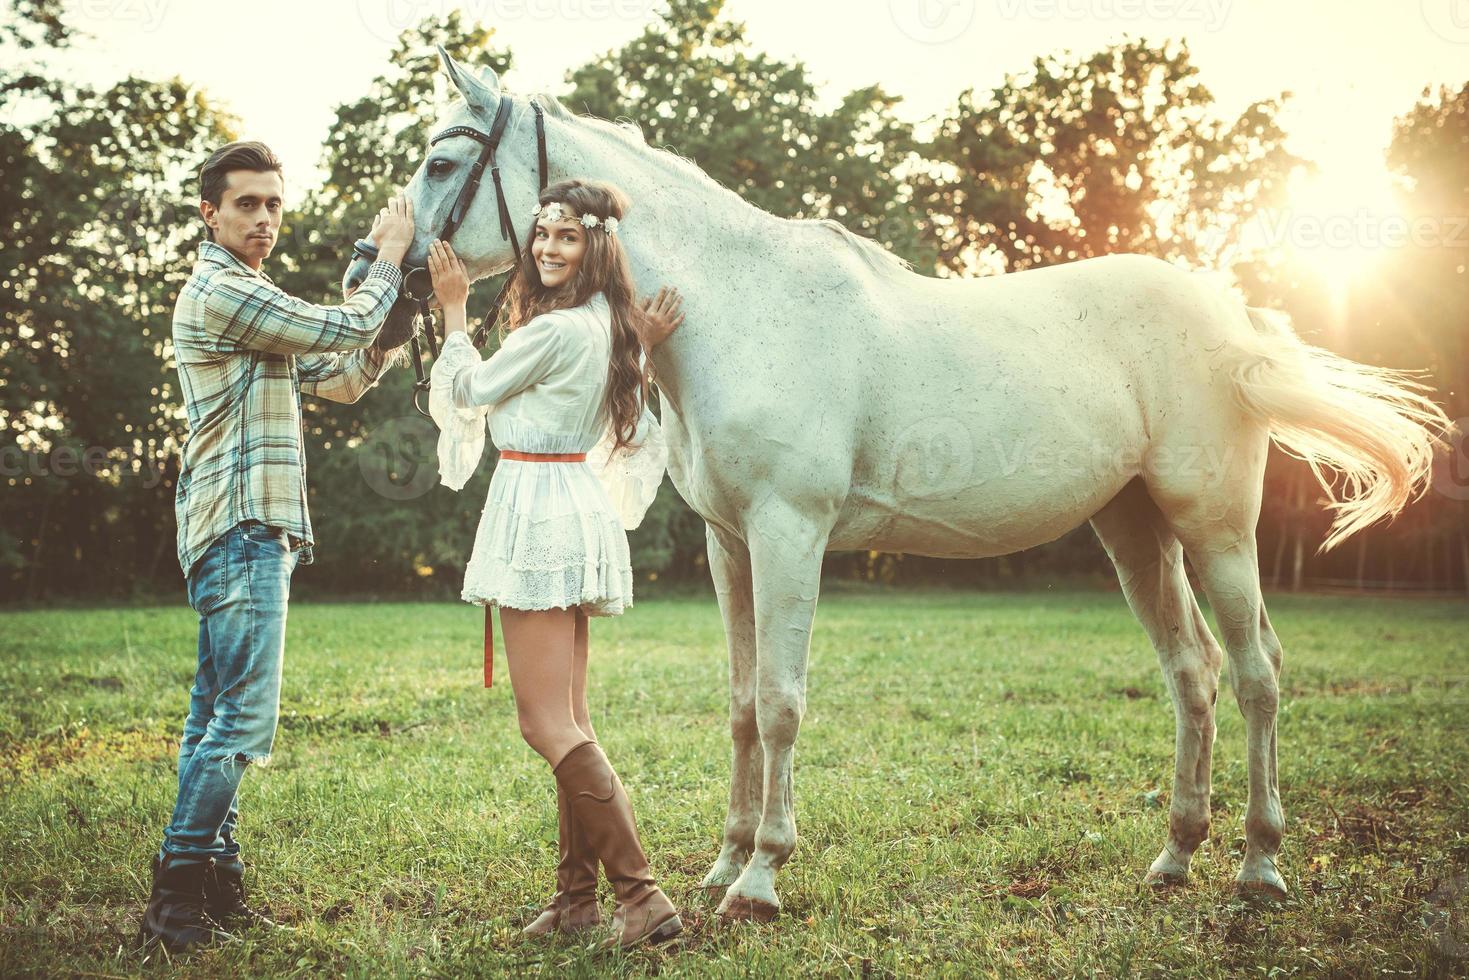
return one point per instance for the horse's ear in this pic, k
(482, 92)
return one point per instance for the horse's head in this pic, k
(446, 168)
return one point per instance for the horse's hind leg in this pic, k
(729, 564)
(1229, 571)
(1215, 521)
(1150, 569)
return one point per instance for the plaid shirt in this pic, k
(246, 352)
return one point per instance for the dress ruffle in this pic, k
(461, 430)
(631, 476)
(531, 561)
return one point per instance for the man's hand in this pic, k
(664, 313)
(392, 229)
(451, 285)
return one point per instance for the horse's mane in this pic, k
(877, 258)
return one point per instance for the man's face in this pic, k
(249, 214)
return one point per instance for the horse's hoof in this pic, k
(1165, 880)
(1254, 888)
(718, 879)
(1259, 878)
(739, 909)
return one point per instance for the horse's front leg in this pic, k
(729, 564)
(785, 558)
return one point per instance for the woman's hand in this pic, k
(664, 313)
(450, 278)
(451, 284)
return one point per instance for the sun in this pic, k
(1341, 221)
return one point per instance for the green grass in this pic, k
(981, 782)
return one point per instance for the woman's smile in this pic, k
(558, 249)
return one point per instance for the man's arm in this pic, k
(248, 313)
(251, 314)
(342, 377)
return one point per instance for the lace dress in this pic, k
(552, 535)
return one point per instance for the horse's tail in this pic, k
(1372, 426)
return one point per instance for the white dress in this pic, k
(552, 535)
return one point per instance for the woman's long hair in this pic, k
(604, 269)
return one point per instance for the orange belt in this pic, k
(543, 457)
(489, 610)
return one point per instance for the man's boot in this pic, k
(224, 896)
(603, 813)
(175, 915)
(574, 906)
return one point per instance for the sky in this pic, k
(1351, 65)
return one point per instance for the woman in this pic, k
(551, 549)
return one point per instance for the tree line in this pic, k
(1122, 150)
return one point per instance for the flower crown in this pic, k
(556, 211)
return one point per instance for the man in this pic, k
(246, 352)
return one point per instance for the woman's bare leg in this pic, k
(579, 708)
(540, 648)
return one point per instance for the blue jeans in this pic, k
(240, 589)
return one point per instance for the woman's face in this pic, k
(558, 249)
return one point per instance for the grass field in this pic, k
(982, 781)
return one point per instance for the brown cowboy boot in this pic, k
(604, 814)
(574, 906)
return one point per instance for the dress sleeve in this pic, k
(461, 429)
(632, 475)
(527, 356)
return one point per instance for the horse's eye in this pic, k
(440, 167)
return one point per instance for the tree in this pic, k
(1117, 152)
(1425, 302)
(94, 191)
(692, 82)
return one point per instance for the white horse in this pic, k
(820, 396)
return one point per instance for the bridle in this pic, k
(417, 286)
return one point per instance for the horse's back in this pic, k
(1007, 410)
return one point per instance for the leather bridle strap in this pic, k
(489, 143)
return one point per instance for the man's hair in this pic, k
(241, 155)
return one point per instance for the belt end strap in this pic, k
(489, 646)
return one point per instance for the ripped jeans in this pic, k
(240, 589)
